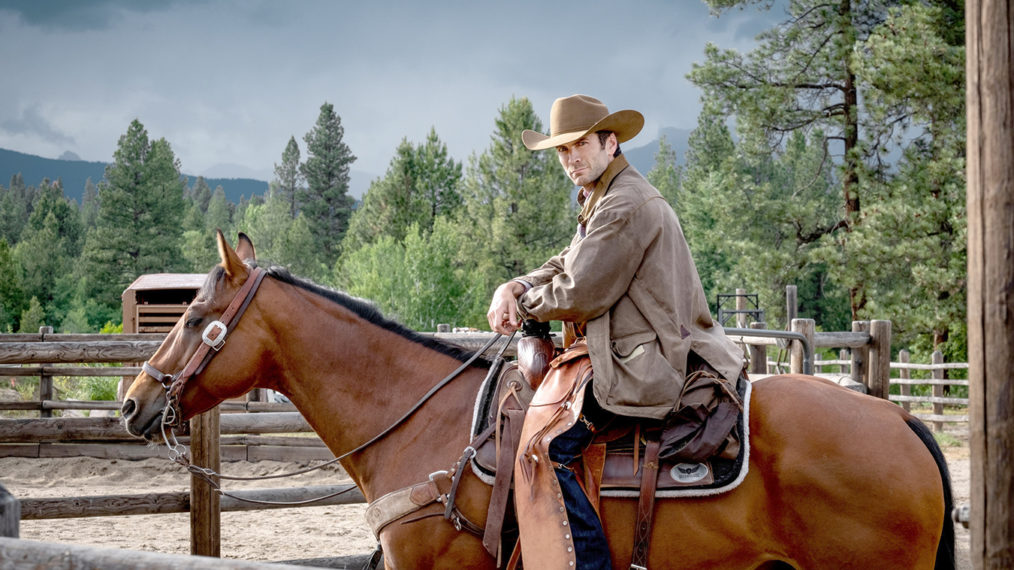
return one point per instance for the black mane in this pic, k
(369, 312)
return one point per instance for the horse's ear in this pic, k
(231, 261)
(245, 248)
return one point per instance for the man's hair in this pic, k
(603, 135)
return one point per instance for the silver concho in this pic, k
(688, 472)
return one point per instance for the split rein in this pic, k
(213, 338)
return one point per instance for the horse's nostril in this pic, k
(128, 408)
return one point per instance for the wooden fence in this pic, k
(864, 359)
(233, 436)
(869, 343)
(938, 384)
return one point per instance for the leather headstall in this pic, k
(213, 338)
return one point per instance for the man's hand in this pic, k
(503, 309)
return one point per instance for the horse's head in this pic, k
(175, 378)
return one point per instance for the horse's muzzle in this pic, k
(139, 424)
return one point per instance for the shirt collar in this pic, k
(594, 191)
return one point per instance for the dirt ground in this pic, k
(263, 535)
(269, 535)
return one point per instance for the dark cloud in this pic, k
(31, 123)
(230, 81)
(81, 14)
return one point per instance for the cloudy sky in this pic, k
(227, 82)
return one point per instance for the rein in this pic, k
(213, 339)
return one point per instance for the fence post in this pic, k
(938, 389)
(880, 359)
(990, 199)
(860, 356)
(791, 303)
(10, 514)
(758, 353)
(843, 354)
(807, 328)
(740, 307)
(45, 381)
(205, 504)
(905, 374)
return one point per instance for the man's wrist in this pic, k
(525, 286)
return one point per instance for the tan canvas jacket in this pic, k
(632, 279)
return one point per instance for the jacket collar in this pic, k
(594, 191)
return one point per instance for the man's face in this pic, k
(585, 159)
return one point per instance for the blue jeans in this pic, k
(591, 548)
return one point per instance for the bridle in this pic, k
(213, 338)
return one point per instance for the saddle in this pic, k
(702, 450)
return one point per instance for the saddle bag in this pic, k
(701, 424)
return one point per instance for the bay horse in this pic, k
(836, 479)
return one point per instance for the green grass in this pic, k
(945, 439)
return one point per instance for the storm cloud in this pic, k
(227, 82)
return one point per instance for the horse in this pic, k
(836, 479)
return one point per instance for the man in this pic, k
(628, 287)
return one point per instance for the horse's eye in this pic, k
(192, 322)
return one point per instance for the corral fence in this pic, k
(250, 431)
(863, 363)
(936, 396)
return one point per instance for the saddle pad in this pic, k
(676, 479)
(680, 479)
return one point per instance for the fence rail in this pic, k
(179, 502)
(30, 554)
(938, 383)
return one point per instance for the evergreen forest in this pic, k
(831, 158)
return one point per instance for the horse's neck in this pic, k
(352, 379)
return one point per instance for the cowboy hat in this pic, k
(574, 117)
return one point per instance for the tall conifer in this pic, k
(518, 206)
(325, 202)
(139, 228)
(288, 178)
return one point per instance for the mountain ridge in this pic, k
(74, 174)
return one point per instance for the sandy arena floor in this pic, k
(269, 535)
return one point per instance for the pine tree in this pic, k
(757, 219)
(140, 209)
(12, 292)
(880, 78)
(219, 214)
(438, 179)
(90, 205)
(33, 318)
(66, 221)
(288, 179)
(912, 71)
(281, 239)
(665, 174)
(200, 194)
(802, 78)
(518, 207)
(43, 260)
(15, 207)
(325, 201)
(421, 184)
